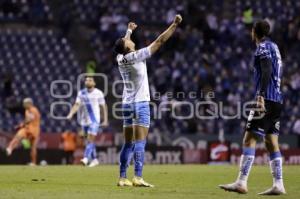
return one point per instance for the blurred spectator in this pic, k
(7, 85)
(68, 140)
(248, 16)
(211, 51)
(90, 67)
(296, 127)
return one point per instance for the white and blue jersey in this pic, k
(268, 49)
(136, 95)
(89, 110)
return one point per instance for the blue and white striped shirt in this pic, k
(268, 49)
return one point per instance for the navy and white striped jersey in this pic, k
(268, 49)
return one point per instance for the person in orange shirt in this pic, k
(69, 146)
(29, 129)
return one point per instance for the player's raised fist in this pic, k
(132, 26)
(178, 19)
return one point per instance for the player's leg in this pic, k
(128, 146)
(247, 157)
(246, 161)
(141, 129)
(16, 140)
(91, 142)
(33, 151)
(90, 147)
(86, 154)
(272, 145)
(271, 141)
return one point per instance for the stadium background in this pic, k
(43, 41)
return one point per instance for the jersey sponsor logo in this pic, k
(124, 61)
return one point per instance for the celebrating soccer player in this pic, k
(265, 120)
(91, 104)
(136, 97)
(29, 129)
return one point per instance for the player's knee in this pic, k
(18, 137)
(141, 132)
(271, 145)
(91, 138)
(249, 142)
(128, 134)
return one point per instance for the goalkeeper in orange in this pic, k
(29, 129)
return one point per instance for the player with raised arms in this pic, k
(265, 120)
(136, 97)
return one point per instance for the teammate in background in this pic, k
(136, 97)
(29, 129)
(91, 105)
(265, 120)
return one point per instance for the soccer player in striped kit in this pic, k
(91, 105)
(136, 97)
(265, 119)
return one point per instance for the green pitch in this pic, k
(172, 182)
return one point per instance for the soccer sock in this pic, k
(125, 158)
(246, 162)
(94, 152)
(276, 168)
(139, 152)
(89, 150)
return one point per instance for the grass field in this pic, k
(172, 182)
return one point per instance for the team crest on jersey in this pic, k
(124, 60)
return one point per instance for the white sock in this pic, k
(245, 168)
(276, 171)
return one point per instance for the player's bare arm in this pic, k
(104, 114)
(28, 119)
(154, 46)
(74, 109)
(131, 27)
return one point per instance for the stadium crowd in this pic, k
(210, 53)
(210, 56)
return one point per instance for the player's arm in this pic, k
(161, 39)
(131, 27)
(75, 107)
(29, 118)
(266, 71)
(104, 114)
(73, 110)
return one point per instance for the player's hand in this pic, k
(177, 19)
(132, 26)
(260, 104)
(69, 117)
(105, 124)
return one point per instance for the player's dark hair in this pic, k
(120, 46)
(261, 28)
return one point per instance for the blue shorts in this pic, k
(137, 113)
(91, 129)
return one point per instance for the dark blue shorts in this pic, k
(269, 123)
